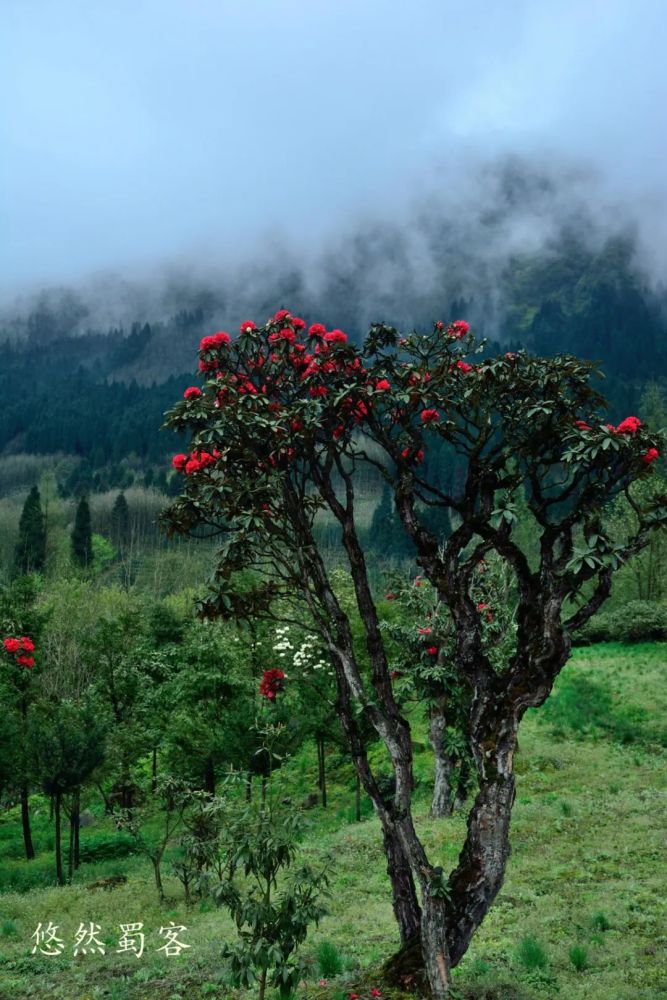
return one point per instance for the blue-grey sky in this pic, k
(139, 132)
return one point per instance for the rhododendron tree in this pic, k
(290, 415)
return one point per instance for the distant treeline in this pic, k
(100, 396)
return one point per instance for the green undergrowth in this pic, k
(582, 914)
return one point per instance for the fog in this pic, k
(154, 144)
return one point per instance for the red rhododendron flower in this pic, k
(432, 650)
(298, 323)
(338, 432)
(418, 456)
(271, 684)
(281, 314)
(335, 337)
(382, 386)
(440, 325)
(429, 416)
(375, 992)
(179, 462)
(651, 456)
(481, 606)
(582, 425)
(458, 328)
(317, 390)
(287, 334)
(418, 581)
(208, 343)
(390, 597)
(192, 392)
(247, 326)
(27, 644)
(11, 645)
(629, 426)
(317, 330)
(26, 661)
(424, 631)
(192, 465)
(463, 366)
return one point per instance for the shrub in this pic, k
(104, 847)
(636, 621)
(579, 957)
(329, 960)
(531, 954)
(599, 922)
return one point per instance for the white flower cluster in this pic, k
(282, 645)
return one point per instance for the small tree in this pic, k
(82, 536)
(67, 744)
(30, 553)
(283, 422)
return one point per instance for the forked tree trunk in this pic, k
(441, 804)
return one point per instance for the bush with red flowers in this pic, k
(272, 683)
(17, 648)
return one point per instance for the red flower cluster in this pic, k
(650, 456)
(628, 426)
(485, 607)
(216, 340)
(18, 648)
(463, 366)
(247, 327)
(582, 425)
(335, 337)
(458, 328)
(192, 392)
(271, 684)
(194, 462)
(429, 416)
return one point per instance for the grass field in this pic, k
(582, 914)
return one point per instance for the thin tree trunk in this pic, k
(158, 878)
(323, 773)
(25, 823)
(57, 846)
(209, 776)
(248, 787)
(441, 803)
(77, 831)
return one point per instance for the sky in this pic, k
(143, 132)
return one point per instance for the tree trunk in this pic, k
(322, 772)
(209, 776)
(479, 874)
(77, 831)
(73, 847)
(248, 787)
(441, 804)
(25, 823)
(434, 945)
(158, 878)
(462, 783)
(57, 846)
(404, 894)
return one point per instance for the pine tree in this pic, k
(82, 541)
(31, 547)
(120, 522)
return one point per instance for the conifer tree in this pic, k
(82, 542)
(120, 522)
(31, 547)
